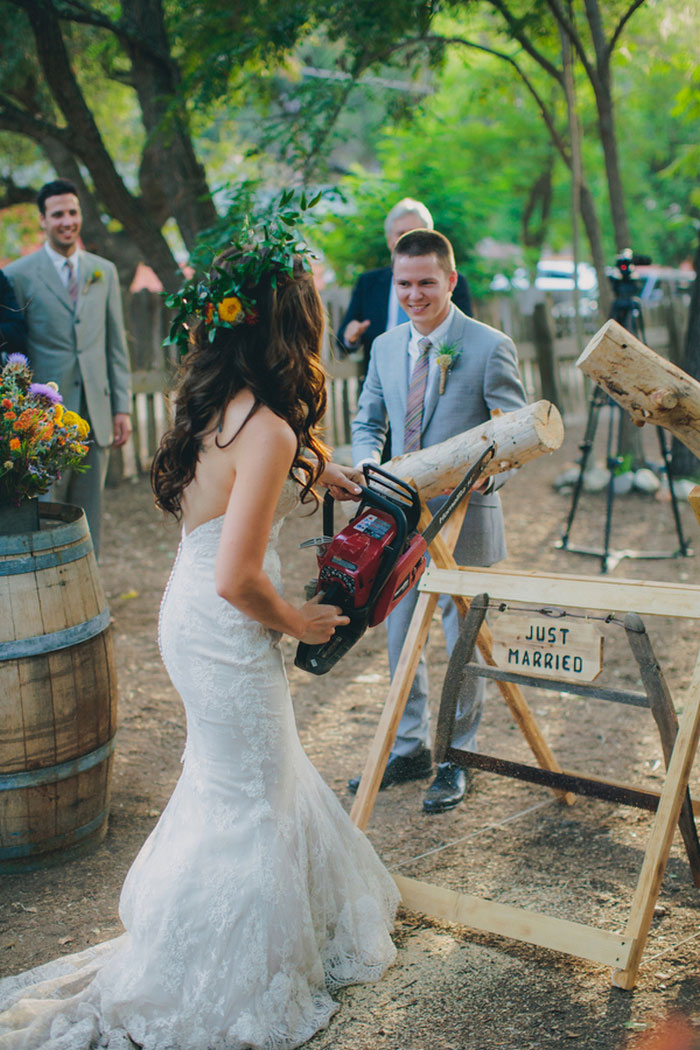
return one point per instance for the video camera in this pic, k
(624, 283)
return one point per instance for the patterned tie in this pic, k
(416, 393)
(72, 285)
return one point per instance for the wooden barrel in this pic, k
(58, 693)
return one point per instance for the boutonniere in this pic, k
(94, 277)
(446, 358)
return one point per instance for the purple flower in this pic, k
(17, 359)
(42, 390)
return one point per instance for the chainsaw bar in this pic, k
(457, 495)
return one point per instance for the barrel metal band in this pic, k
(40, 644)
(62, 842)
(51, 774)
(52, 557)
(71, 526)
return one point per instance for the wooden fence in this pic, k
(154, 366)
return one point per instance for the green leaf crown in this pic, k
(220, 296)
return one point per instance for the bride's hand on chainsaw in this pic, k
(321, 620)
(342, 482)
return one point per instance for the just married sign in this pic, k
(569, 649)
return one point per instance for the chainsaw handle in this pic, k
(328, 502)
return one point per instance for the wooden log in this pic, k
(647, 386)
(519, 436)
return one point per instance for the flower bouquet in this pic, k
(39, 439)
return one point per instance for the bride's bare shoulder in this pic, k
(260, 425)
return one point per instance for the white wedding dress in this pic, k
(255, 896)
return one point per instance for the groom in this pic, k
(75, 336)
(402, 390)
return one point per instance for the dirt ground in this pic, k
(451, 988)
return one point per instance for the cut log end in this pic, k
(548, 425)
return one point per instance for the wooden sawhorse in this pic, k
(673, 804)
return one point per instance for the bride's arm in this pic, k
(263, 454)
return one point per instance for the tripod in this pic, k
(627, 311)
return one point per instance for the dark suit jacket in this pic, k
(13, 330)
(370, 302)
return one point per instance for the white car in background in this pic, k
(552, 275)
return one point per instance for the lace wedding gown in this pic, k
(255, 896)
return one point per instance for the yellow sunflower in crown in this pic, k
(230, 309)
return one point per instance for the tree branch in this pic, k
(526, 44)
(83, 14)
(545, 111)
(11, 193)
(622, 23)
(21, 122)
(569, 28)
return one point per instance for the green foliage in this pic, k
(465, 156)
(260, 237)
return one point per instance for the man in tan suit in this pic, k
(75, 337)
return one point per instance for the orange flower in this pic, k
(14, 444)
(6, 403)
(10, 415)
(209, 313)
(27, 419)
(229, 309)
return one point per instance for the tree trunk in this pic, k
(90, 148)
(170, 176)
(601, 82)
(595, 241)
(543, 339)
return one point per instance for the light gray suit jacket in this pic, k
(484, 377)
(84, 351)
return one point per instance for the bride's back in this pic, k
(208, 493)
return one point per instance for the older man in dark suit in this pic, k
(374, 307)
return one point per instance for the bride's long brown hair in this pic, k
(277, 358)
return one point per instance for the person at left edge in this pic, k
(13, 330)
(75, 337)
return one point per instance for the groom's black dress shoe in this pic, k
(401, 768)
(448, 789)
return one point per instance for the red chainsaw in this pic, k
(371, 564)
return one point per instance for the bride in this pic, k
(255, 897)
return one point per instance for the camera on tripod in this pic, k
(624, 282)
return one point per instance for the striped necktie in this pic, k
(72, 285)
(416, 394)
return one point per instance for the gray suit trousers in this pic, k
(414, 728)
(85, 490)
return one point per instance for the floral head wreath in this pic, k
(222, 299)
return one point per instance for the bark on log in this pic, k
(648, 386)
(519, 436)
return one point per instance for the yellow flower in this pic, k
(229, 309)
(72, 419)
(96, 275)
(58, 412)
